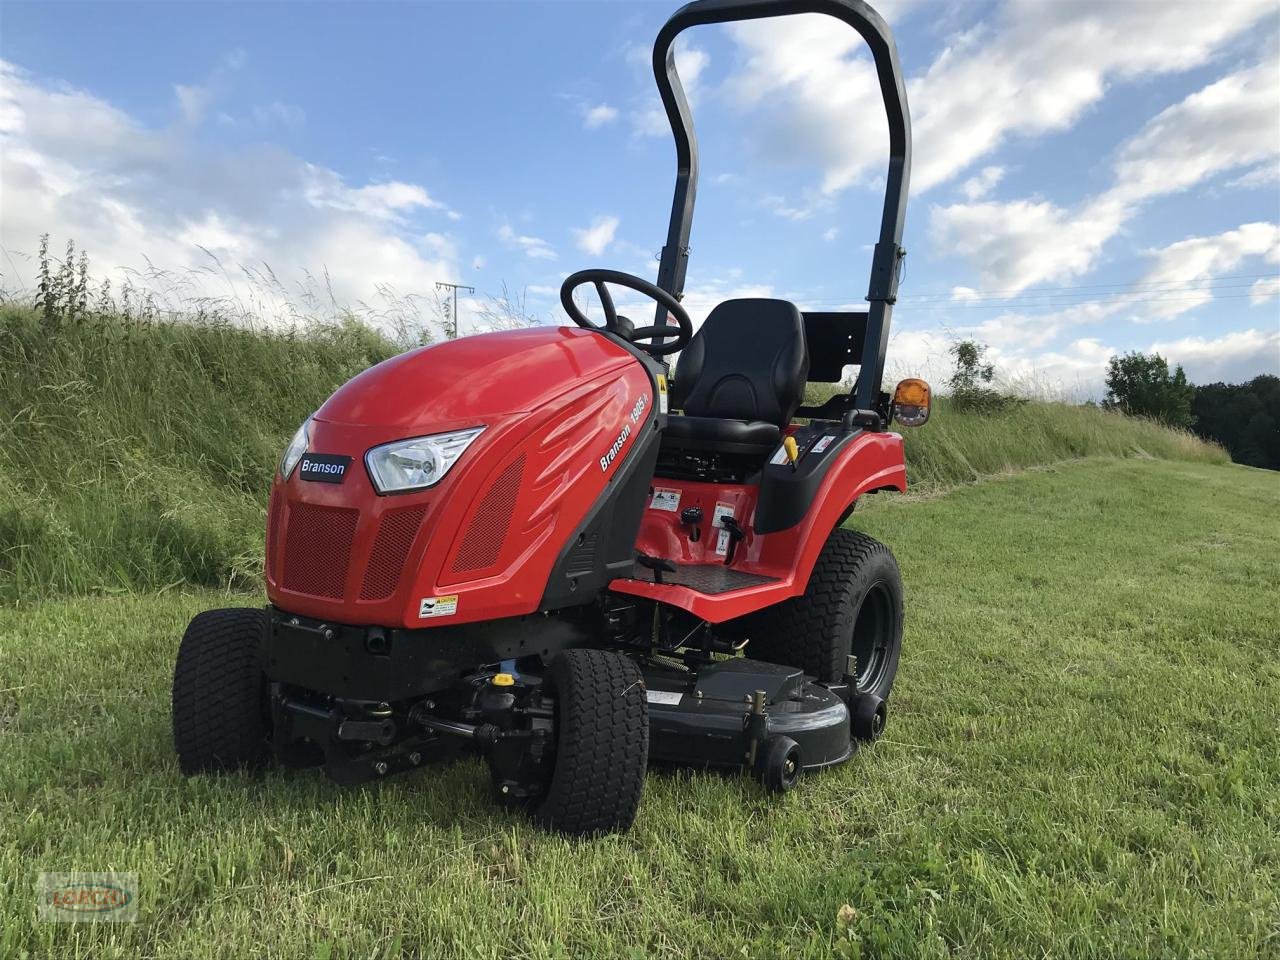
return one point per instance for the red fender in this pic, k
(871, 462)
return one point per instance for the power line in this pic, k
(1123, 301)
(1080, 293)
(1162, 287)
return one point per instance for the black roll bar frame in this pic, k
(882, 290)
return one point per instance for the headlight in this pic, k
(297, 447)
(418, 463)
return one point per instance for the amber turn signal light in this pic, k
(911, 402)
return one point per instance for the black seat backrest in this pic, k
(748, 361)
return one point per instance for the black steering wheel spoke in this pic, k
(658, 340)
(606, 303)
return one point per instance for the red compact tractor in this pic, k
(548, 547)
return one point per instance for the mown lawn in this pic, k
(1083, 760)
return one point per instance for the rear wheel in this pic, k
(220, 717)
(852, 605)
(602, 743)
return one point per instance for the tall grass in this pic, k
(137, 455)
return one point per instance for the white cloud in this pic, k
(276, 112)
(595, 239)
(194, 99)
(477, 262)
(533, 247)
(1042, 65)
(1213, 131)
(1233, 357)
(782, 207)
(977, 187)
(598, 115)
(1264, 290)
(1177, 281)
(812, 82)
(384, 201)
(1023, 242)
(1230, 123)
(439, 245)
(137, 198)
(1036, 69)
(1262, 176)
(830, 234)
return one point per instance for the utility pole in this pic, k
(452, 331)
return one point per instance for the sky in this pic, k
(1090, 176)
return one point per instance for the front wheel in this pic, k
(851, 606)
(220, 714)
(602, 743)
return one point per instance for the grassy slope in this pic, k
(137, 457)
(1081, 762)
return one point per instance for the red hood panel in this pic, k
(486, 376)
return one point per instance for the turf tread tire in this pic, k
(813, 631)
(602, 749)
(219, 721)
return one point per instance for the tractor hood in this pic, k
(487, 376)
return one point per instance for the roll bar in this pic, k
(883, 287)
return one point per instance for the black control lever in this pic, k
(691, 517)
(658, 565)
(736, 533)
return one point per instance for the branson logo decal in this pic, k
(637, 412)
(324, 467)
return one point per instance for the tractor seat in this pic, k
(740, 379)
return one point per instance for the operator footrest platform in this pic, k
(710, 578)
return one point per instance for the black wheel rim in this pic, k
(872, 636)
(790, 769)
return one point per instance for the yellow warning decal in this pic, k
(438, 606)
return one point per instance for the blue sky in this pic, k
(1089, 177)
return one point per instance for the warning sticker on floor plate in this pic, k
(665, 697)
(825, 442)
(665, 498)
(662, 393)
(438, 606)
(722, 540)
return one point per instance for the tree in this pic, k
(1244, 418)
(970, 379)
(1142, 386)
(971, 372)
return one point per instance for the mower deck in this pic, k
(716, 716)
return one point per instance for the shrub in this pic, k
(971, 379)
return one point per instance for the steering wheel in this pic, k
(682, 332)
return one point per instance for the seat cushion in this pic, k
(748, 362)
(725, 436)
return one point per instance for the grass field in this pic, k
(1081, 762)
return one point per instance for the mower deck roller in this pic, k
(557, 548)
